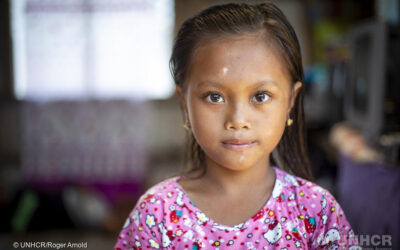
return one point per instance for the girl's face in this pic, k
(237, 100)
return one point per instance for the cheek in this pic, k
(204, 121)
(273, 133)
(272, 126)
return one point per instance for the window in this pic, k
(92, 48)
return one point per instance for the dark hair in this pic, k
(243, 19)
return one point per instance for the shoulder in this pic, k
(162, 187)
(145, 224)
(304, 191)
(317, 210)
(160, 195)
(308, 197)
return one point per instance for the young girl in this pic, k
(239, 77)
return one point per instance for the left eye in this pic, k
(215, 98)
(260, 98)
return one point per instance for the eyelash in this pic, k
(208, 95)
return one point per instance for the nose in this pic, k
(237, 117)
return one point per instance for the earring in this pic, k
(289, 122)
(187, 125)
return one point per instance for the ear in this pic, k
(295, 91)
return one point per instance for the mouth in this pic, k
(238, 144)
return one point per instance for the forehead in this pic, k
(237, 60)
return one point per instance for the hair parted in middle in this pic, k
(232, 20)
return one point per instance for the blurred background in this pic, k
(89, 119)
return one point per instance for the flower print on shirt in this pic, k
(154, 244)
(189, 235)
(298, 215)
(201, 218)
(138, 244)
(150, 221)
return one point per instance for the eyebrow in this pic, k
(258, 84)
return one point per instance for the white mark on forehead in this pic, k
(224, 71)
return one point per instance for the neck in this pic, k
(234, 182)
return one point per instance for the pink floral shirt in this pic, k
(298, 215)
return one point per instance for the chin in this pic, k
(235, 165)
(236, 161)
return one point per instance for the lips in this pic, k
(238, 144)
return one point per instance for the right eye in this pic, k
(214, 98)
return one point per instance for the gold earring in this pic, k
(187, 125)
(289, 122)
